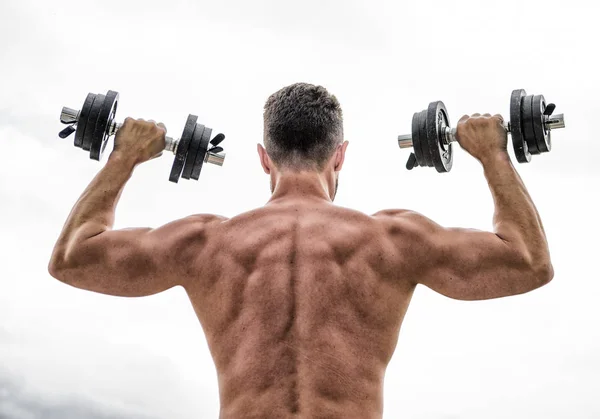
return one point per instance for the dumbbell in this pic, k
(95, 123)
(531, 122)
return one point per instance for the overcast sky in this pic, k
(66, 353)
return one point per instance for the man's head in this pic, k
(303, 131)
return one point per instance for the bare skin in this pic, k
(302, 301)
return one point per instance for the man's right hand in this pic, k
(140, 140)
(482, 136)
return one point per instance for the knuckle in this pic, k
(464, 119)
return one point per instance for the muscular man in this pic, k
(301, 301)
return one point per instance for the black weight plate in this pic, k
(427, 159)
(201, 153)
(437, 120)
(430, 124)
(83, 119)
(90, 127)
(111, 120)
(416, 139)
(516, 127)
(105, 117)
(190, 160)
(542, 135)
(423, 136)
(182, 148)
(527, 115)
(425, 144)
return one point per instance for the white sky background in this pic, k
(64, 351)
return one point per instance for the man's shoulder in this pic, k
(199, 220)
(386, 213)
(405, 222)
(192, 225)
(205, 218)
(402, 216)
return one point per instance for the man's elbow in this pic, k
(59, 267)
(56, 268)
(542, 274)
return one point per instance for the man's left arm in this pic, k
(90, 255)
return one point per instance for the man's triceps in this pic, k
(117, 262)
(471, 264)
(460, 263)
(132, 262)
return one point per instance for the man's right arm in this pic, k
(469, 264)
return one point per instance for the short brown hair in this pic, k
(303, 126)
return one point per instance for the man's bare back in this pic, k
(301, 301)
(301, 305)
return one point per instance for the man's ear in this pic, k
(265, 161)
(340, 156)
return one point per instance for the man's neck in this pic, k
(309, 186)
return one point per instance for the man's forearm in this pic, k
(516, 219)
(94, 211)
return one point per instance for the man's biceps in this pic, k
(461, 240)
(470, 250)
(122, 244)
(122, 237)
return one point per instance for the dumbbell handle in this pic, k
(71, 116)
(449, 134)
(170, 143)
